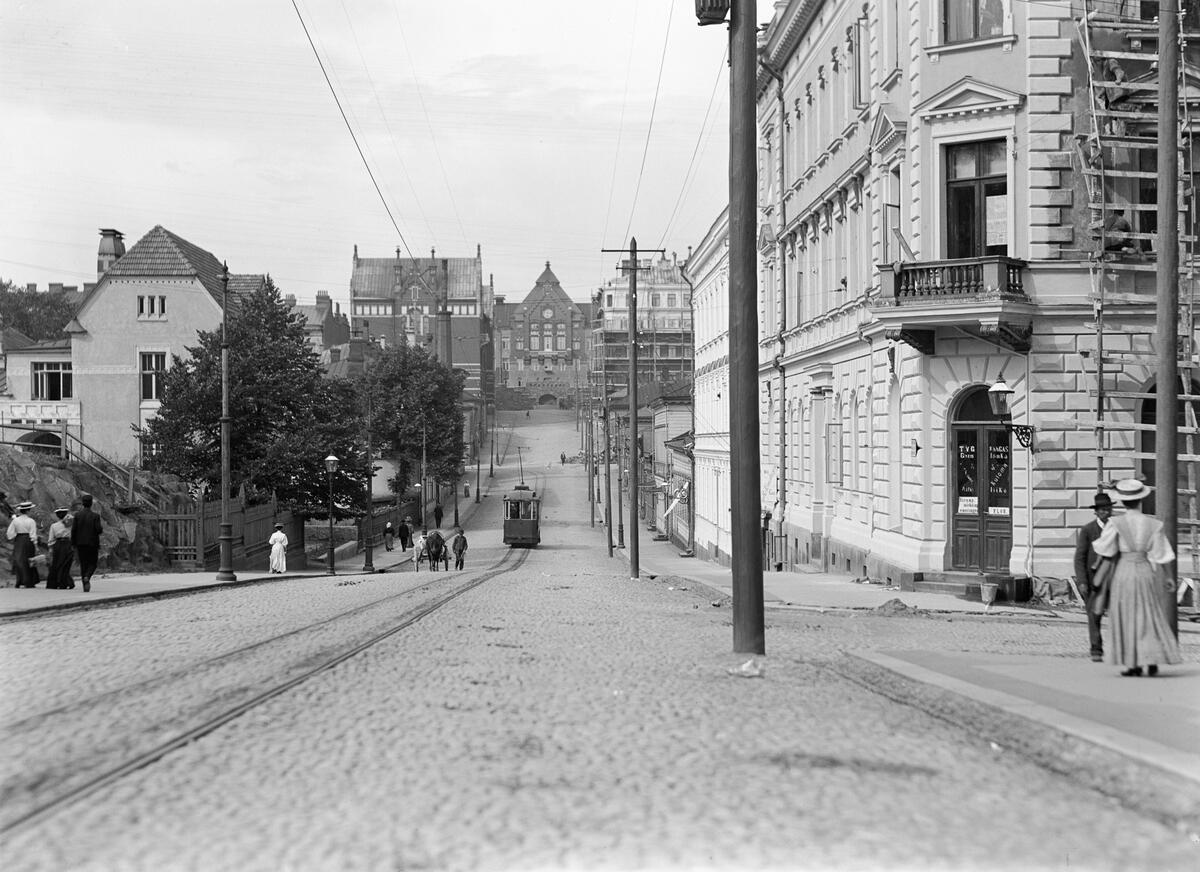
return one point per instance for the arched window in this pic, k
(864, 433)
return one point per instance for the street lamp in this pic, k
(331, 465)
(369, 561)
(225, 570)
(999, 396)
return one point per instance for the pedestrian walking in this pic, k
(406, 533)
(1086, 562)
(562, 457)
(459, 547)
(61, 552)
(389, 536)
(1138, 630)
(85, 536)
(437, 515)
(22, 532)
(279, 546)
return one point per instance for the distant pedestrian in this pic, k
(22, 532)
(459, 546)
(1138, 630)
(563, 458)
(85, 536)
(61, 553)
(406, 533)
(437, 515)
(279, 546)
(389, 536)
(1086, 562)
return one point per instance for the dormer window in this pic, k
(151, 308)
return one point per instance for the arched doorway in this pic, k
(41, 441)
(981, 486)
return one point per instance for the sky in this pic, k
(529, 128)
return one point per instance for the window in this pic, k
(965, 20)
(671, 300)
(151, 307)
(654, 300)
(862, 63)
(609, 302)
(535, 342)
(976, 199)
(561, 343)
(833, 449)
(52, 381)
(153, 365)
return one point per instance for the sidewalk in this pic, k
(1151, 721)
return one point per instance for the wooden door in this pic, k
(981, 520)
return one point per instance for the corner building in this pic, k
(934, 184)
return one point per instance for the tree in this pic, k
(37, 314)
(286, 416)
(413, 393)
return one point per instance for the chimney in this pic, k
(323, 302)
(356, 254)
(432, 253)
(290, 299)
(31, 287)
(478, 251)
(397, 252)
(56, 287)
(112, 246)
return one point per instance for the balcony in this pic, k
(982, 296)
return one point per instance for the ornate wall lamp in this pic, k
(999, 396)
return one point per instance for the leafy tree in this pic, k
(286, 416)
(37, 314)
(412, 393)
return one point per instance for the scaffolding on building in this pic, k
(1118, 160)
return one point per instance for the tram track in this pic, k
(86, 746)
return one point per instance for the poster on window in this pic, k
(999, 474)
(967, 466)
(996, 215)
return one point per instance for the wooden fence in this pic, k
(191, 534)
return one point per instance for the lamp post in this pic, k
(331, 465)
(225, 538)
(999, 396)
(478, 452)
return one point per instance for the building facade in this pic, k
(545, 343)
(708, 270)
(664, 313)
(929, 231)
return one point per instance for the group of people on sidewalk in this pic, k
(1119, 571)
(71, 535)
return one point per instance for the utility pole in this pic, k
(369, 562)
(590, 459)
(747, 563)
(1166, 458)
(634, 472)
(225, 537)
(607, 479)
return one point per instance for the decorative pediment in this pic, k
(766, 238)
(968, 96)
(888, 131)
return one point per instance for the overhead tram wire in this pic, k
(650, 128)
(387, 124)
(432, 136)
(695, 151)
(350, 130)
(612, 184)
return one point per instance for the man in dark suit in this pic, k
(85, 538)
(1085, 567)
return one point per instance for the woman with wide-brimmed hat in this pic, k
(1139, 631)
(279, 545)
(22, 532)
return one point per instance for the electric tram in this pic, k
(522, 513)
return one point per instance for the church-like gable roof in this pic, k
(547, 289)
(160, 253)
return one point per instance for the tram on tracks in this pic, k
(522, 513)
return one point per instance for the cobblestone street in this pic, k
(558, 716)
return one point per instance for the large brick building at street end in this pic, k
(942, 191)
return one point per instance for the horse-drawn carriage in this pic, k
(431, 547)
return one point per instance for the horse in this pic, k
(434, 551)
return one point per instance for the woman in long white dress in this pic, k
(1139, 632)
(279, 544)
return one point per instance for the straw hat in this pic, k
(1131, 489)
(279, 526)
(25, 506)
(61, 511)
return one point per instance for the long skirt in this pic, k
(1139, 633)
(279, 557)
(22, 551)
(61, 557)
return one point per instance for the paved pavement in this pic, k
(1152, 721)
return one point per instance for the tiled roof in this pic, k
(161, 253)
(462, 277)
(502, 315)
(12, 339)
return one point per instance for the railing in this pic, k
(948, 280)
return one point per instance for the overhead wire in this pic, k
(612, 185)
(350, 130)
(684, 186)
(650, 127)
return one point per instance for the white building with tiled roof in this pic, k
(147, 305)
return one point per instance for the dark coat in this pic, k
(86, 529)
(1085, 555)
